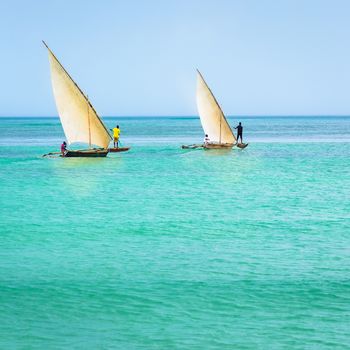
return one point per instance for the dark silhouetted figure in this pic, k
(239, 128)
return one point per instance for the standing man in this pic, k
(63, 148)
(239, 128)
(116, 133)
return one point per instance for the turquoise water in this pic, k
(163, 248)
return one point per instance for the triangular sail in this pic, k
(79, 119)
(212, 118)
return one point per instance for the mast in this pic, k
(87, 97)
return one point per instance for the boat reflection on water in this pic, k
(217, 152)
(81, 177)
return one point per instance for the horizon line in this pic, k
(184, 115)
(192, 116)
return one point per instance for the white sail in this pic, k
(79, 119)
(212, 118)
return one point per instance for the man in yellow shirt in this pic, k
(116, 133)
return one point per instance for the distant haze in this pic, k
(139, 57)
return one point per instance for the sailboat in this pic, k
(213, 120)
(79, 119)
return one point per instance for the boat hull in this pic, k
(119, 149)
(218, 146)
(242, 145)
(88, 153)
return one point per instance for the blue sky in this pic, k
(260, 57)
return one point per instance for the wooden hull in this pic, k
(242, 145)
(90, 153)
(119, 149)
(210, 146)
(218, 146)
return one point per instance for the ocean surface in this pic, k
(164, 248)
